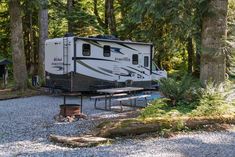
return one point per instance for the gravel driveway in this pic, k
(25, 124)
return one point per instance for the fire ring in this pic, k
(70, 110)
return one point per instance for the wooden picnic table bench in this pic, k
(98, 97)
(103, 96)
(109, 93)
(132, 98)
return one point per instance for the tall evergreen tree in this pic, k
(108, 23)
(70, 8)
(43, 35)
(17, 44)
(214, 33)
(110, 19)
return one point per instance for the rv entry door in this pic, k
(145, 66)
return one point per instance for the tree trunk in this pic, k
(190, 50)
(197, 61)
(17, 43)
(110, 16)
(214, 27)
(100, 21)
(43, 35)
(31, 61)
(70, 7)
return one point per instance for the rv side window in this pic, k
(86, 49)
(135, 59)
(146, 61)
(107, 50)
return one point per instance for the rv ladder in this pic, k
(65, 55)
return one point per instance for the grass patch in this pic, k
(161, 108)
(206, 107)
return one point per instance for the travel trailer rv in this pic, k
(87, 64)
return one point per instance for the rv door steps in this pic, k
(132, 98)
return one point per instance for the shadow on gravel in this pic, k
(216, 145)
(81, 152)
(220, 146)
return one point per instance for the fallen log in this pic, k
(140, 126)
(84, 141)
(125, 127)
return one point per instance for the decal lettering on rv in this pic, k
(56, 59)
(123, 59)
(57, 63)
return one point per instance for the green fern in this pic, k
(176, 91)
(213, 100)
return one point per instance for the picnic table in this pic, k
(110, 93)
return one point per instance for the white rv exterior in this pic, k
(86, 64)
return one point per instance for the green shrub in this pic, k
(176, 91)
(155, 109)
(162, 108)
(192, 100)
(212, 100)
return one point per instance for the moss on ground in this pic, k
(138, 126)
(11, 94)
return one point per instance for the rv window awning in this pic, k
(5, 62)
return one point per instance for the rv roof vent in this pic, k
(69, 35)
(110, 37)
(91, 37)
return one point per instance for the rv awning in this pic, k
(5, 62)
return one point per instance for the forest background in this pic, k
(175, 27)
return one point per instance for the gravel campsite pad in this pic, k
(26, 123)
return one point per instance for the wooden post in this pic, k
(5, 77)
(1, 81)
